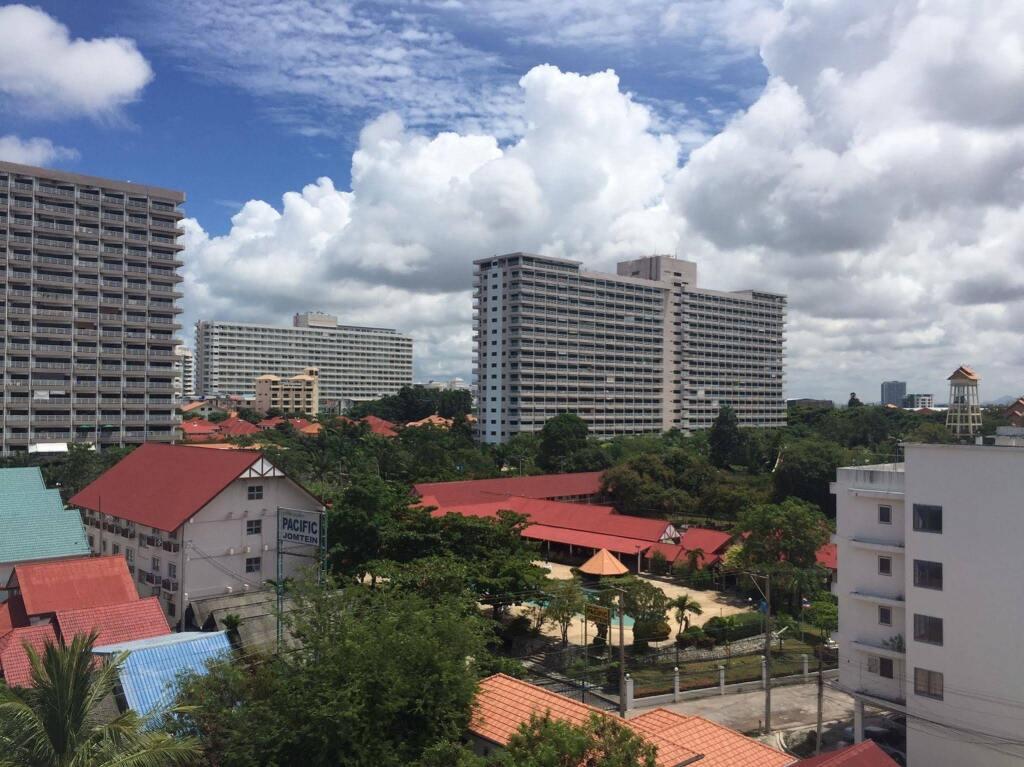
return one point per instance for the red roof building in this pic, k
(15, 666)
(581, 486)
(864, 754)
(503, 704)
(714, 544)
(46, 588)
(195, 523)
(237, 427)
(162, 486)
(380, 427)
(123, 622)
(199, 430)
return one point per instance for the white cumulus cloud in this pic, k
(878, 180)
(47, 73)
(33, 151)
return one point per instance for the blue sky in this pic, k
(223, 142)
(865, 158)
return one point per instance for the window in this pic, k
(928, 683)
(115, 549)
(885, 515)
(253, 526)
(104, 547)
(129, 555)
(172, 571)
(156, 565)
(927, 519)
(880, 666)
(255, 492)
(927, 629)
(928, 575)
(885, 565)
(253, 564)
(885, 615)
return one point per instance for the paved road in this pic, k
(792, 706)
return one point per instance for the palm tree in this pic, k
(57, 722)
(685, 605)
(694, 557)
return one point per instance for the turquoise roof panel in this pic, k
(27, 479)
(31, 536)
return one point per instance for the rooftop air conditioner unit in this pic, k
(231, 552)
(229, 589)
(248, 549)
(245, 587)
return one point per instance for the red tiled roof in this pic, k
(123, 622)
(237, 427)
(828, 556)
(964, 372)
(504, 703)
(720, 746)
(573, 516)
(585, 539)
(188, 407)
(482, 490)
(270, 423)
(379, 426)
(163, 485)
(12, 614)
(711, 541)
(864, 754)
(196, 426)
(14, 662)
(67, 584)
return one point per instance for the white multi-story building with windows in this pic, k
(192, 522)
(184, 374)
(929, 552)
(355, 363)
(643, 350)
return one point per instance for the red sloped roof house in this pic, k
(48, 587)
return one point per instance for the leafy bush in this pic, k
(651, 631)
(659, 565)
(734, 627)
(691, 637)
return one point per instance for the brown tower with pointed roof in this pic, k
(964, 415)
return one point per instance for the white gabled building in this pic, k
(192, 522)
(929, 599)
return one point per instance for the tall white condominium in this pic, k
(90, 313)
(929, 601)
(643, 350)
(185, 373)
(355, 363)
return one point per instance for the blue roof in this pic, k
(21, 480)
(149, 676)
(34, 524)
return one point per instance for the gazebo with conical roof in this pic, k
(603, 563)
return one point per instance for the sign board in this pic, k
(296, 526)
(598, 614)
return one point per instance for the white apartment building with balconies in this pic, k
(642, 350)
(929, 555)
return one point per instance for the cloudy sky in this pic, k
(865, 157)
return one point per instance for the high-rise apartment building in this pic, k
(643, 350)
(90, 310)
(918, 401)
(184, 374)
(298, 394)
(894, 392)
(355, 363)
(929, 605)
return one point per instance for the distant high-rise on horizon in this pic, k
(643, 350)
(355, 363)
(893, 392)
(91, 310)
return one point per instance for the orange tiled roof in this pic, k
(964, 372)
(14, 662)
(864, 754)
(433, 420)
(504, 703)
(122, 622)
(69, 584)
(721, 746)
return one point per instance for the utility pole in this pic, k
(768, 654)
(622, 656)
(821, 704)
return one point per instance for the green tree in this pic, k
(374, 678)
(823, 614)
(806, 469)
(600, 742)
(57, 722)
(560, 438)
(724, 439)
(854, 401)
(565, 600)
(647, 605)
(931, 433)
(684, 606)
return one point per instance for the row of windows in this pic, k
(926, 519)
(927, 628)
(926, 682)
(927, 575)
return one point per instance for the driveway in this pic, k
(792, 706)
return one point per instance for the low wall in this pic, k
(720, 689)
